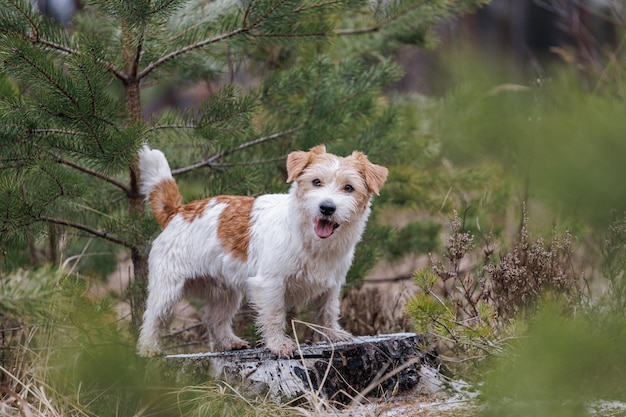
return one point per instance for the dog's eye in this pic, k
(317, 183)
(348, 188)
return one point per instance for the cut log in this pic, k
(341, 372)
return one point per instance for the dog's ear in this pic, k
(298, 160)
(375, 175)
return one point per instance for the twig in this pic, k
(248, 163)
(378, 380)
(160, 127)
(184, 329)
(84, 228)
(219, 155)
(316, 6)
(93, 173)
(35, 39)
(376, 28)
(358, 31)
(244, 29)
(58, 131)
(154, 65)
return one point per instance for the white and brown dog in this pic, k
(279, 250)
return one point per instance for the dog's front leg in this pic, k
(328, 309)
(267, 296)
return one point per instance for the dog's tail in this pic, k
(158, 185)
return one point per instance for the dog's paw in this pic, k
(283, 347)
(235, 344)
(338, 335)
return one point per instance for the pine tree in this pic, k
(73, 104)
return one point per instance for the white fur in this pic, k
(287, 263)
(154, 169)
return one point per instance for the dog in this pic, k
(278, 250)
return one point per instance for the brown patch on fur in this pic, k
(194, 209)
(375, 175)
(297, 161)
(165, 201)
(234, 224)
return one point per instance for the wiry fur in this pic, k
(279, 250)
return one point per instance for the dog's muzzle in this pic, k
(324, 225)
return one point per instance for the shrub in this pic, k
(468, 306)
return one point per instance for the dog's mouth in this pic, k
(324, 227)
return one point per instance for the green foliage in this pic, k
(471, 310)
(414, 237)
(64, 353)
(444, 320)
(614, 263)
(559, 142)
(25, 295)
(559, 367)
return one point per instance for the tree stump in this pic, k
(341, 372)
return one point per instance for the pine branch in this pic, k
(93, 173)
(209, 161)
(267, 14)
(92, 94)
(164, 6)
(30, 21)
(48, 77)
(58, 131)
(290, 35)
(60, 159)
(154, 65)
(316, 6)
(135, 67)
(247, 13)
(84, 228)
(244, 29)
(376, 28)
(358, 31)
(161, 127)
(63, 91)
(248, 163)
(36, 39)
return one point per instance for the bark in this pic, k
(137, 291)
(138, 287)
(343, 372)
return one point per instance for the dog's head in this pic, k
(333, 190)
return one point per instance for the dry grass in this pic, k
(26, 391)
(32, 388)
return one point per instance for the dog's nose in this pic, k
(327, 208)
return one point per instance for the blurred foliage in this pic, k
(545, 346)
(559, 367)
(560, 141)
(66, 353)
(613, 251)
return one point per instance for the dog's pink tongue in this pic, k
(324, 228)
